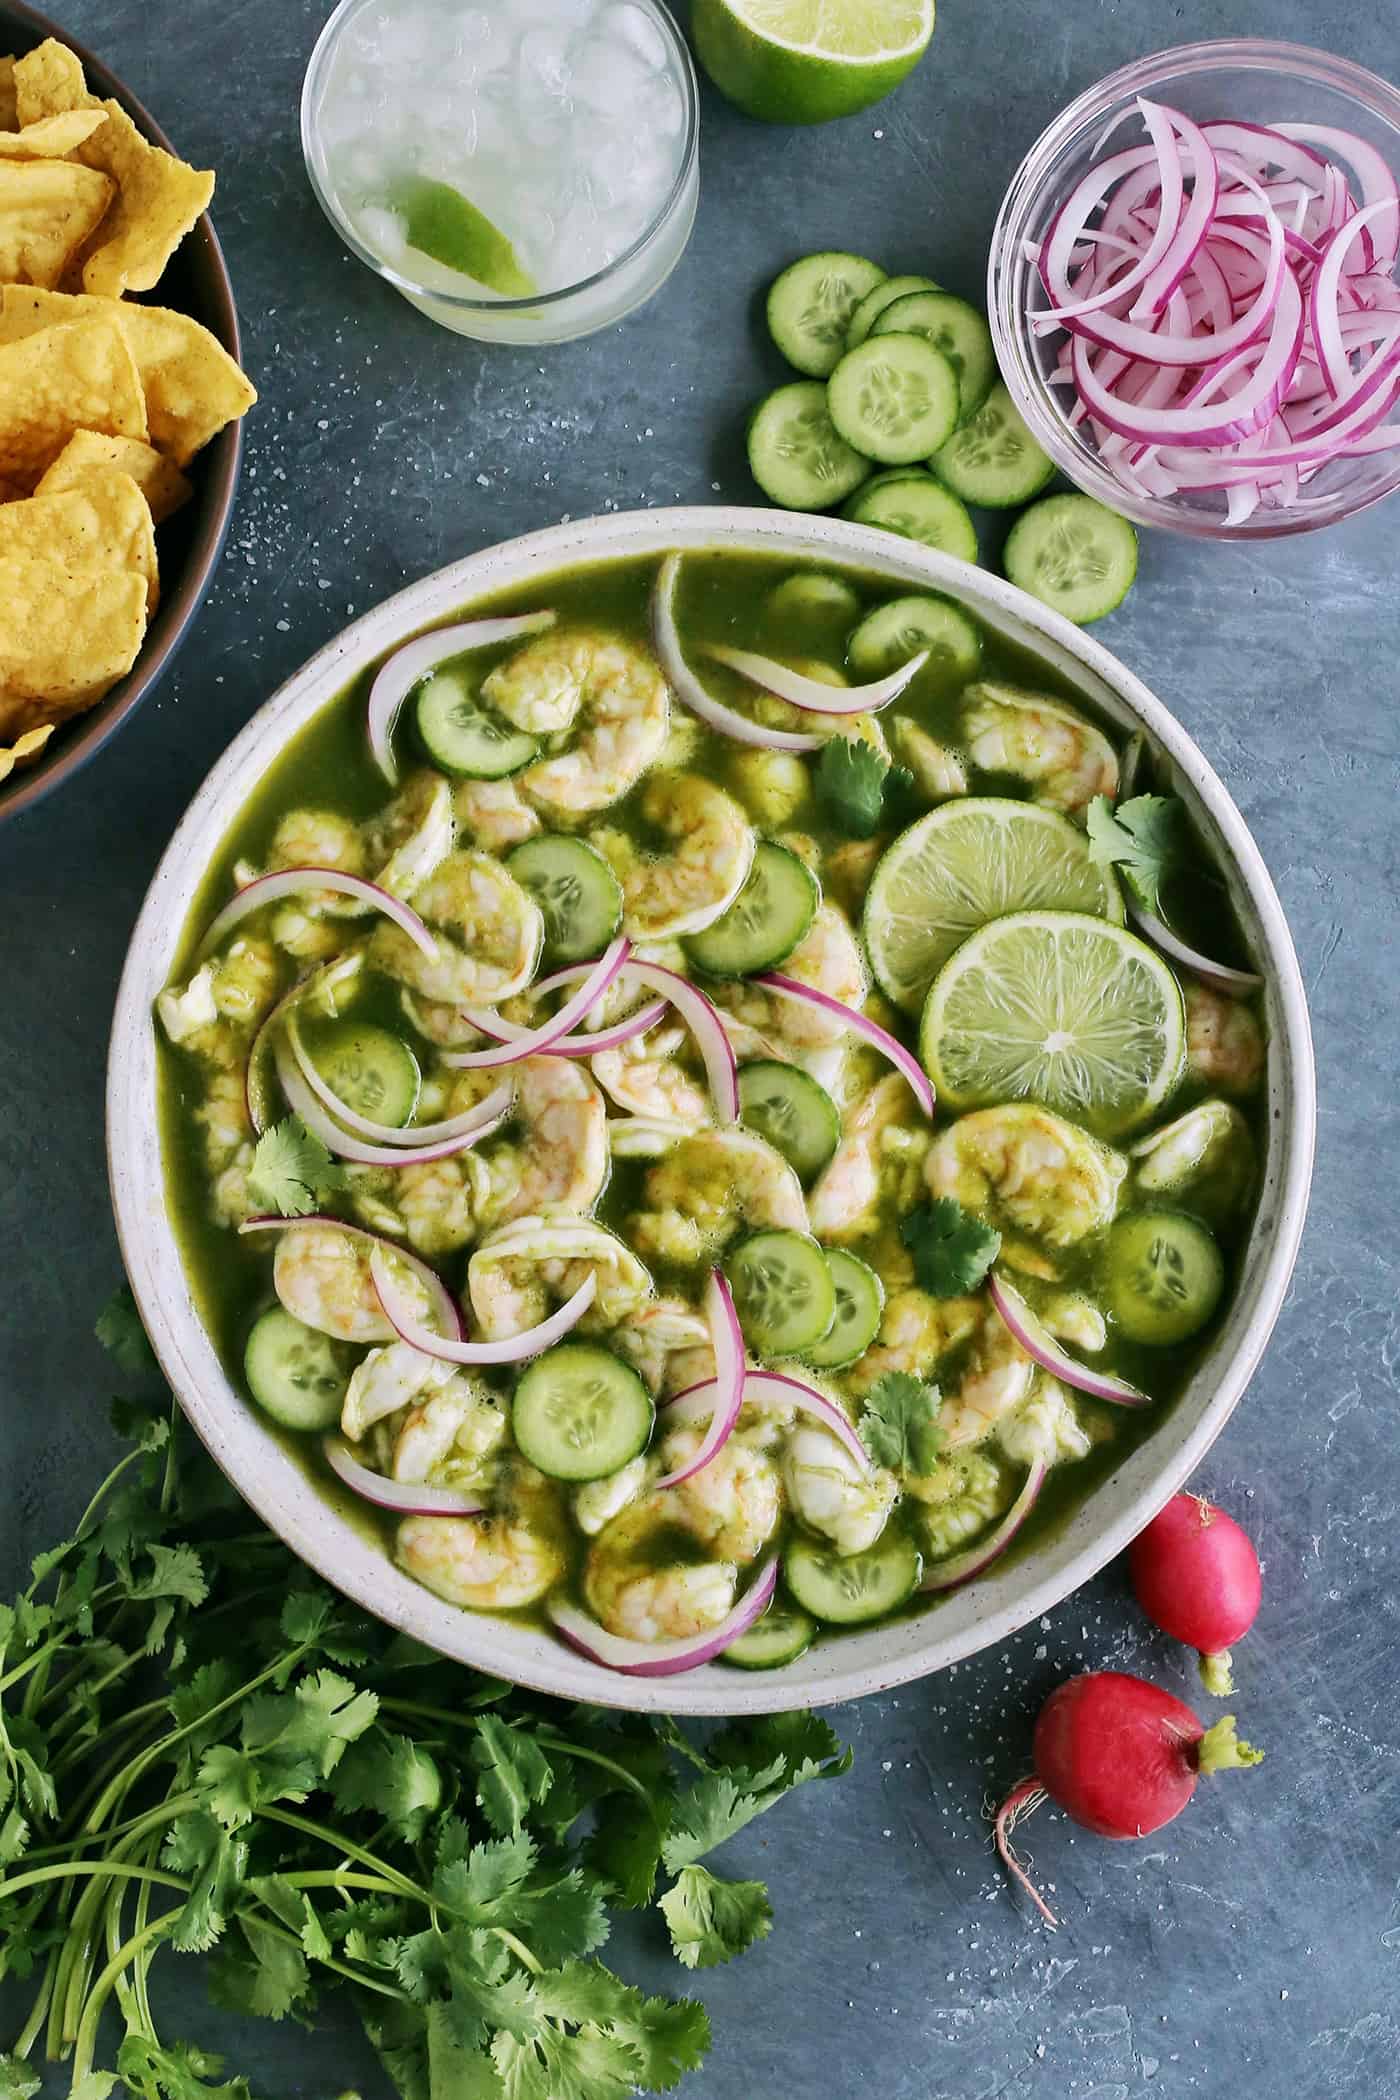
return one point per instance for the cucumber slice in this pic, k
(770, 915)
(580, 1413)
(785, 1105)
(851, 1589)
(367, 1068)
(577, 891)
(295, 1374)
(875, 302)
(464, 738)
(860, 1304)
(901, 627)
(795, 455)
(955, 328)
(810, 307)
(783, 1291)
(894, 398)
(813, 596)
(919, 508)
(779, 1637)
(992, 459)
(1074, 555)
(1163, 1274)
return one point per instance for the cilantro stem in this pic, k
(347, 1850)
(38, 2011)
(518, 1949)
(84, 1867)
(561, 1743)
(273, 1926)
(85, 2041)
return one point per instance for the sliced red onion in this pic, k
(445, 1307)
(303, 1102)
(727, 1385)
(1042, 1348)
(663, 1658)
(406, 1498)
(1221, 975)
(257, 1090)
(1378, 183)
(702, 1017)
(1323, 315)
(697, 1403)
(688, 688)
(290, 882)
(633, 1024)
(810, 693)
(476, 1121)
(879, 1038)
(395, 680)
(532, 1042)
(512, 1349)
(950, 1574)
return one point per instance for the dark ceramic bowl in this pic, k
(197, 282)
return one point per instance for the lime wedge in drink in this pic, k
(443, 224)
(802, 61)
(962, 864)
(1056, 1007)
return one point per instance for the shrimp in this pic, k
(714, 848)
(386, 1382)
(829, 959)
(597, 1502)
(442, 1023)
(451, 1437)
(561, 1159)
(845, 1502)
(938, 772)
(506, 1558)
(845, 1203)
(1224, 1042)
(1020, 1163)
(322, 1278)
(849, 867)
(490, 814)
(772, 785)
(610, 694)
(915, 1331)
(959, 1499)
(709, 1187)
(489, 932)
(1043, 1426)
(412, 835)
(437, 1205)
(223, 1115)
(1206, 1156)
(733, 1504)
(316, 838)
(644, 1137)
(647, 1078)
(224, 1002)
(997, 1376)
(656, 1336)
(523, 1268)
(1063, 758)
(1073, 1318)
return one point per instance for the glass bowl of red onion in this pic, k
(1194, 290)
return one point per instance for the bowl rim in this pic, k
(1007, 269)
(278, 1489)
(220, 466)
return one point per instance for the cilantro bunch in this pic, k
(205, 1750)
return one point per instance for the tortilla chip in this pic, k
(12, 492)
(158, 197)
(25, 747)
(87, 451)
(104, 524)
(52, 137)
(67, 637)
(9, 108)
(83, 377)
(193, 387)
(49, 210)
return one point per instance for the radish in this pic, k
(1196, 1575)
(1119, 1756)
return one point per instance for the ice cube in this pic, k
(542, 66)
(383, 233)
(627, 23)
(607, 78)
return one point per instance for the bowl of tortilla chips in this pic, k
(120, 400)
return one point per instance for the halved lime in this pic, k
(803, 61)
(1059, 1008)
(965, 863)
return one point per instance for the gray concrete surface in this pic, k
(1254, 1948)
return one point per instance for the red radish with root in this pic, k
(1196, 1575)
(1120, 1757)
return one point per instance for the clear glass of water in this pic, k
(523, 171)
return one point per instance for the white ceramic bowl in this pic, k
(970, 1619)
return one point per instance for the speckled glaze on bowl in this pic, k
(856, 1663)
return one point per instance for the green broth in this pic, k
(723, 599)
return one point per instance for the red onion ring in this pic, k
(405, 1498)
(1221, 975)
(512, 1349)
(532, 1042)
(688, 688)
(698, 1401)
(727, 1385)
(702, 1018)
(444, 1304)
(1042, 1348)
(256, 1090)
(663, 1658)
(303, 1102)
(810, 693)
(395, 679)
(950, 1574)
(879, 1038)
(290, 882)
(402, 1137)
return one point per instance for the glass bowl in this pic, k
(593, 301)
(1244, 78)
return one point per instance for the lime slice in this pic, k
(965, 863)
(443, 224)
(803, 61)
(1056, 1007)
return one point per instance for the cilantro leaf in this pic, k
(513, 1773)
(1145, 837)
(393, 1777)
(292, 1171)
(179, 2072)
(198, 1846)
(952, 1250)
(761, 1762)
(899, 1427)
(121, 1334)
(712, 1920)
(268, 1975)
(17, 2081)
(857, 788)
